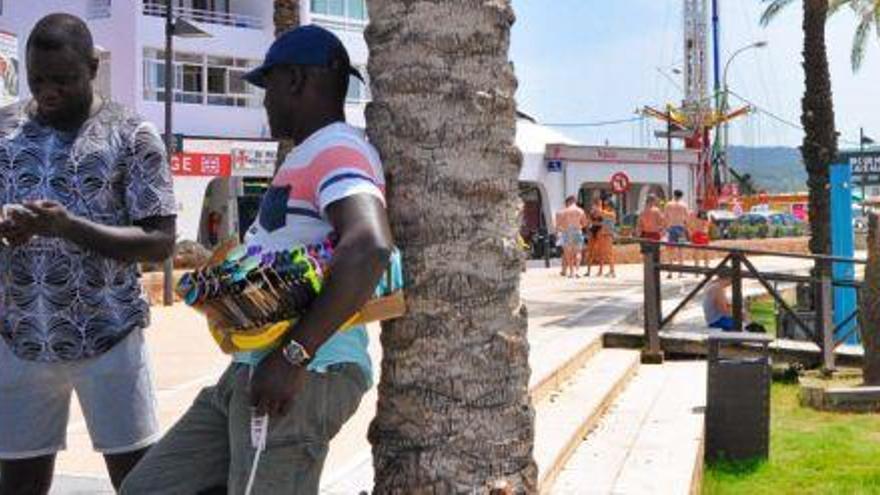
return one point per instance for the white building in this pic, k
(211, 99)
(555, 167)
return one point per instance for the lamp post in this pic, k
(863, 140)
(725, 102)
(183, 29)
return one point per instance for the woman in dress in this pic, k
(602, 247)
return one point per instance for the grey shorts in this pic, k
(115, 392)
(210, 447)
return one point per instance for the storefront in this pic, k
(218, 184)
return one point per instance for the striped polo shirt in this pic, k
(332, 164)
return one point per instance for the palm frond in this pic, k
(834, 6)
(774, 7)
(860, 41)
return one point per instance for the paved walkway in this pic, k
(185, 359)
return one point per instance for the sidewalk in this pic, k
(185, 359)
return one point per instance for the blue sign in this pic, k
(554, 165)
(843, 245)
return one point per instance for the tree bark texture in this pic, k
(285, 17)
(869, 302)
(454, 413)
(820, 137)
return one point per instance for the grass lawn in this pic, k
(763, 311)
(811, 452)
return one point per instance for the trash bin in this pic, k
(738, 397)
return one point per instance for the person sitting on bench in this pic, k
(716, 305)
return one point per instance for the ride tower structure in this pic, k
(697, 115)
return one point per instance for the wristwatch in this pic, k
(295, 354)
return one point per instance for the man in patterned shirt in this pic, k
(86, 193)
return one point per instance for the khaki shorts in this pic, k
(210, 447)
(115, 392)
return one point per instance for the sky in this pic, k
(592, 61)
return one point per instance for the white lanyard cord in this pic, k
(259, 432)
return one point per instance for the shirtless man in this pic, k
(569, 224)
(651, 221)
(677, 216)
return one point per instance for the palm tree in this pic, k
(285, 17)
(820, 137)
(454, 414)
(869, 301)
(868, 13)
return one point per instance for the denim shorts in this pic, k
(115, 391)
(677, 234)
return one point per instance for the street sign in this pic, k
(554, 165)
(673, 134)
(620, 183)
(201, 165)
(862, 163)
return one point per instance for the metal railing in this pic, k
(157, 8)
(737, 265)
(339, 23)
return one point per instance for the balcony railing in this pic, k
(337, 23)
(156, 8)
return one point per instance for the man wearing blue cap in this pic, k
(332, 182)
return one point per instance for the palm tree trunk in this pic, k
(820, 137)
(454, 414)
(869, 319)
(286, 17)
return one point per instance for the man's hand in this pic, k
(275, 384)
(14, 226)
(48, 218)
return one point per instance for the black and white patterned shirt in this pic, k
(59, 301)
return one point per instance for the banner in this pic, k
(8, 68)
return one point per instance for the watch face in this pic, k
(295, 353)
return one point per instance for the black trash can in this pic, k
(738, 397)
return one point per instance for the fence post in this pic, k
(546, 248)
(825, 318)
(651, 354)
(737, 294)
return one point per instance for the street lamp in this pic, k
(725, 102)
(863, 141)
(182, 29)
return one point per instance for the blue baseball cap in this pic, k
(305, 45)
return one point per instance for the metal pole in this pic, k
(716, 45)
(668, 154)
(737, 295)
(864, 177)
(168, 268)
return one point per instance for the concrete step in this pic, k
(650, 441)
(350, 465)
(566, 415)
(559, 350)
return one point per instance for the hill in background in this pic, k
(775, 169)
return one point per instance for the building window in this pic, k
(349, 9)
(98, 9)
(201, 79)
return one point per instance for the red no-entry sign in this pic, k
(620, 183)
